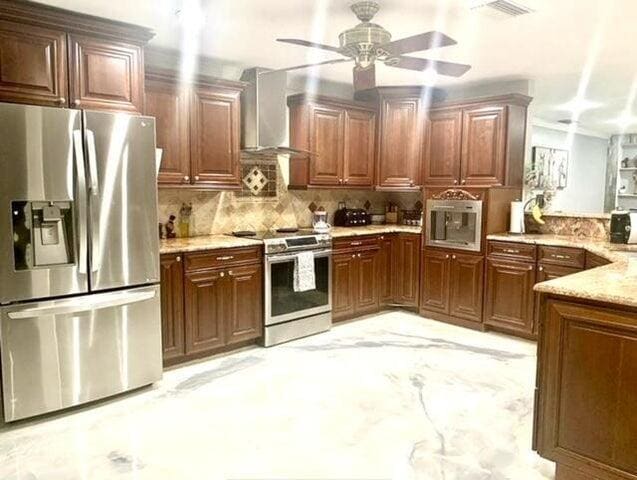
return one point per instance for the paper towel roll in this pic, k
(517, 217)
(632, 238)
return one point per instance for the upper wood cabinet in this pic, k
(33, 66)
(54, 57)
(443, 148)
(400, 136)
(105, 75)
(476, 142)
(169, 104)
(198, 128)
(215, 136)
(341, 138)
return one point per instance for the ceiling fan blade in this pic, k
(417, 43)
(308, 65)
(307, 43)
(421, 64)
(364, 78)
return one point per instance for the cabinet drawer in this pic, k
(355, 243)
(513, 250)
(568, 257)
(222, 258)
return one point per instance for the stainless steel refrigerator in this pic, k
(79, 257)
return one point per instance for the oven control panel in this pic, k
(298, 243)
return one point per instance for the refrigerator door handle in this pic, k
(81, 201)
(95, 190)
(84, 304)
(92, 163)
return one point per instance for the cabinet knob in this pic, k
(453, 256)
(222, 274)
(354, 255)
(346, 180)
(531, 268)
(340, 180)
(463, 181)
(77, 102)
(230, 272)
(186, 178)
(178, 259)
(359, 255)
(196, 178)
(382, 237)
(61, 100)
(447, 256)
(411, 183)
(541, 269)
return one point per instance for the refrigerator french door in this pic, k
(79, 257)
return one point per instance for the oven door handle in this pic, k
(287, 258)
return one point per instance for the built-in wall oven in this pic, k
(454, 224)
(293, 314)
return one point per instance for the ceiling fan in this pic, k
(368, 43)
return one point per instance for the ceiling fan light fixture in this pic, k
(365, 10)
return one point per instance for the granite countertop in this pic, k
(214, 242)
(615, 283)
(204, 242)
(338, 232)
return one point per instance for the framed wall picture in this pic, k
(550, 168)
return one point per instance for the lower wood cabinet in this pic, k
(510, 297)
(385, 269)
(204, 309)
(406, 269)
(354, 283)
(452, 284)
(172, 306)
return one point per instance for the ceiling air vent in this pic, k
(505, 6)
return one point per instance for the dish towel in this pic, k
(304, 277)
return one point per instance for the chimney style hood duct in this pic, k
(264, 127)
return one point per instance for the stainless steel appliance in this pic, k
(79, 257)
(623, 226)
(290, 314)
(454, 224)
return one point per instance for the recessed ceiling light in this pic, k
(578, 105)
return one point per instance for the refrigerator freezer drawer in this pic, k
(61, 353)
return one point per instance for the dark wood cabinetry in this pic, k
(452, 286)
(341, 138)
(585, 397)
(476, 142)
(198, 129)
(211, 301)
(406, 269)
(400, 135)
(509, 298)
(169, 104)
(54, 57)
(385, 269)
(355, 286)
(443, 148)
(172, 306)
(105, 75)
(215, 136)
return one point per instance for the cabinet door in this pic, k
(168, 103)
(359, 156)
(509, 298)
(465, 283)
(206, 299)
(407, 270)
(546, 272)
(442, 148)
(385, 270)
(366, 282)
(32, 65)
(343, 285)
(245, 321)
(400, 143)
(435, 281)
(215, 137)
(106, 75)
(483, 146)
(172, 306)
(326, 143)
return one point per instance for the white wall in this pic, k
(585, 188)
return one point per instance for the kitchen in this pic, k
(222, 264)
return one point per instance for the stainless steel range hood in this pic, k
(264, 117)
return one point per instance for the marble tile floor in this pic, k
(391, 396)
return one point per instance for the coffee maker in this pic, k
(623, 227)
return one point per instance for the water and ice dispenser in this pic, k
(43, 234)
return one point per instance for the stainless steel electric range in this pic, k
(290, 314)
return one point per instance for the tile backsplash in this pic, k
(224, 212)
